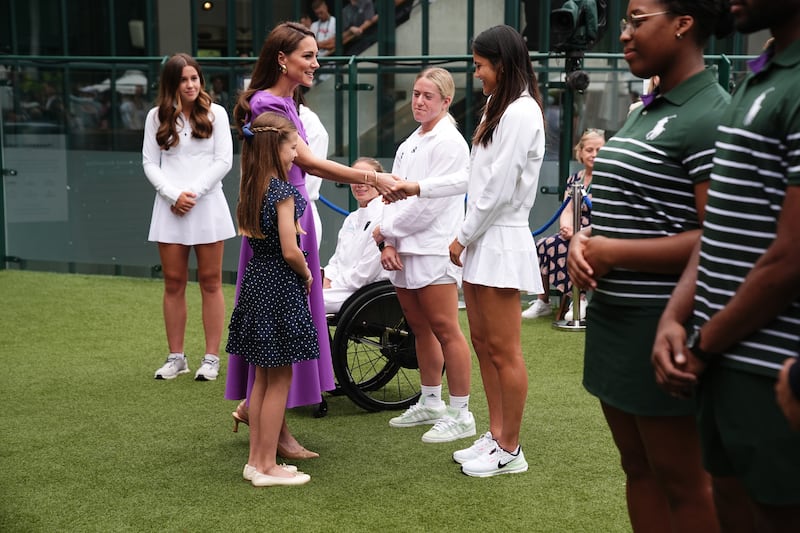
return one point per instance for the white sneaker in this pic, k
(417, 415)
(484, 443)
(176, 364)
(452, 426)
(568, 314)
(496, 462)
(537, 309)
(209, 368)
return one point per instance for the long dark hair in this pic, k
(170, 107)
(285, 37)
(260, 161)
(504, 47)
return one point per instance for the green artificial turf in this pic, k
(89, 441)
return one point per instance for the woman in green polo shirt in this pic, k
(649, 193)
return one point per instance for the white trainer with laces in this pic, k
(538, 309)
(175, 365)
(452, 426)
(417, 415)
(496, 462)
(209, 368)
(484, 444)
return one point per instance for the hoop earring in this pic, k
(283, 69)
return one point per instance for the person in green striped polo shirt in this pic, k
(649, 189)
(740, 295)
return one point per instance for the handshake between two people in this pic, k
(395, 188)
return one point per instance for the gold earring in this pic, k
(283, 69)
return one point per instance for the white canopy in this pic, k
(126, 84)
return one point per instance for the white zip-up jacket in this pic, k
(427, 226)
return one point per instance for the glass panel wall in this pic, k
(75, 195)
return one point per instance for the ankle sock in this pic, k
(460, 403)
(431, 395)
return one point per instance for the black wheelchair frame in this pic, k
(373, 352)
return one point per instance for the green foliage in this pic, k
(91, 442)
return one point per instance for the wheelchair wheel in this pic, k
(374, 358)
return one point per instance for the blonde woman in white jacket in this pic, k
(413, 237)
(494, 243)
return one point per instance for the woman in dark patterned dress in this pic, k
(553, 249)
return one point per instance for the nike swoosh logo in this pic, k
(501, 464)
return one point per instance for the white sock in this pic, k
(177, 353)
(431, 396)
(460, 403)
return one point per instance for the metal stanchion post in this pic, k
(577, 323)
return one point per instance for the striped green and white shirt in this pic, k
(644, 178)
(757, 158)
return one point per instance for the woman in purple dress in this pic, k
(287, 60)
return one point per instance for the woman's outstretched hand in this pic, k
(399, 189)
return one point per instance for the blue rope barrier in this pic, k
(333, 206)
(558, 214)
(535, 233)
(553, 218)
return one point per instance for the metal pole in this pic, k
(577, 323)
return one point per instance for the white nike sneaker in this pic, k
(496, 462)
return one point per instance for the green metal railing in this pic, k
(351, 73)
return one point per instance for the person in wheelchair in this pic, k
(356, 262)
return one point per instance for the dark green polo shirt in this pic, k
(757, 158)
(644, 178)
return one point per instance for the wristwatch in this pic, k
(693, 343)
(381, 245)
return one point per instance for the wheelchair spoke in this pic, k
(374, 356)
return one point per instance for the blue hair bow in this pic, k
(247, 132)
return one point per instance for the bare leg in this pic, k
(648, 508)
(545, 296)
(429, 351)
(666, 486)
(268, 418)
(289, 448)
(495, 328)
(502, 333)
(439, 304)
(489, 376)
(735, 510)
(673, 451)
(209, 275)
(175, 268)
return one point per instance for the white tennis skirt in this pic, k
(504, 257)
(208, 221)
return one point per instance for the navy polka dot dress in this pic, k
(271, 324)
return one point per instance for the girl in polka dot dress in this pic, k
(271, 325)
